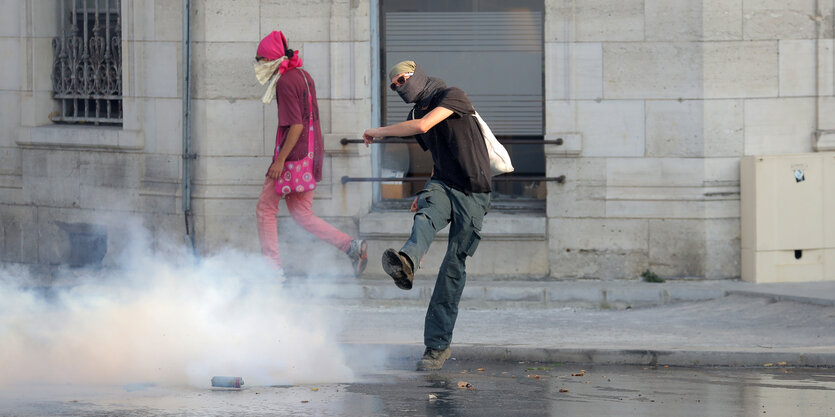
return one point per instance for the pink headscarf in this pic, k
(274, 46)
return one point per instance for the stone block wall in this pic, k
(234, 133)
(61, 182)
(656, 100)
(663, 98)
(117, 177)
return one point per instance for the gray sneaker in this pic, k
(433, 359)
(399, 267)
(358, 252)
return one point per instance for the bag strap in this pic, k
(309, 117)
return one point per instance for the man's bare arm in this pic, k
(292, 138)
(409, 127)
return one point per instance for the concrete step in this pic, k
(511, 245)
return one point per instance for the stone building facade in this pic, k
(656, 102)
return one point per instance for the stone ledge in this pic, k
(11, 181)
(825, 140)
(496, 226)
(65, 136)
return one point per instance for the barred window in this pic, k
(87, 72)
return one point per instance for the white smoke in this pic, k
(170, 320)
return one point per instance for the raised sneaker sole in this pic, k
(393, 265)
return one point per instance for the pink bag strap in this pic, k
(309, 117)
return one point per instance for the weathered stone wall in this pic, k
(657, 100)
(234, 133)
(60, 182)
(662, 98)
(103, 176)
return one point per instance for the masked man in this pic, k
(458, 194)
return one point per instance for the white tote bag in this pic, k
(499, 158)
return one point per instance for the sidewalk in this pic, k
(705, 323)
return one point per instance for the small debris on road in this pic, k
(466, 385)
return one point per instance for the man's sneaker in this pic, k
(433, 359)
(399, 267)
(359, 256)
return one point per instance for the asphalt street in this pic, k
(466, 388)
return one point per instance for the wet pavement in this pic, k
(348, 348)
(466, 388)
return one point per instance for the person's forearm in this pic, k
(407, 128)
(293, 134)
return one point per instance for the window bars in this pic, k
(87, 72)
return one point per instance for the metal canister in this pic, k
(227, 381)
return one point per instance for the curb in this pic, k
(528, 294)
(649, 357)
(637, 357)
(533, 294)
(781, 297)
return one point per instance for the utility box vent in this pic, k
(788, 217)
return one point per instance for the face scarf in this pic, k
(278, 59)
(419, 88)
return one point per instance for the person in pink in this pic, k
(280, 67)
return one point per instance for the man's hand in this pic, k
(275, 169)
(414, 206)
(409, 127)
(368, 136)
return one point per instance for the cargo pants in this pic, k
(439, 205)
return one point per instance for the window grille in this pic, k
(87, 72)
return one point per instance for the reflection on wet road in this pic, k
(514, 389)
(495, 389)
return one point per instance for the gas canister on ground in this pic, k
(227, 381)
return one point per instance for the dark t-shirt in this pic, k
(458, 151)
(291, 98)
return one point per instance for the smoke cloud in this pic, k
(167, 318)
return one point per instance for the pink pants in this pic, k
(301, 208)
